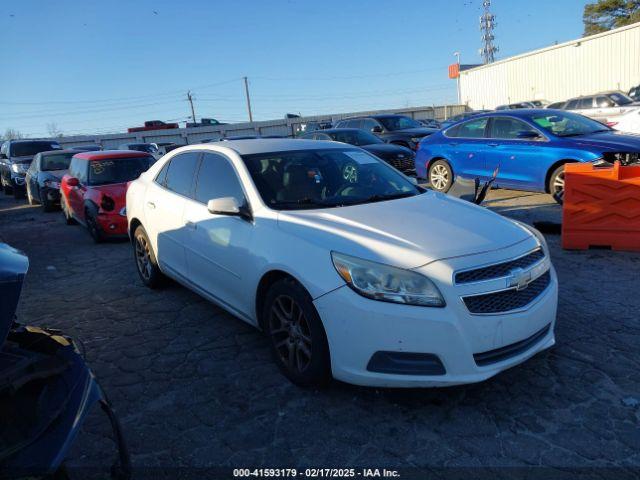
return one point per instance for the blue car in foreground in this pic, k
(528, 147)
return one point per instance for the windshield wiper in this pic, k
(381, 198)
(302, 202)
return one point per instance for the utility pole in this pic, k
(487, 24)
(246, 92)
(457, 54)
(193, 112)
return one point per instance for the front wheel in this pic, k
(440, 176)
(93, 227)
(556, 183)
(298, 340)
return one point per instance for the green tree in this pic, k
(604, 15)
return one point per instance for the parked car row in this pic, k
(351, 269)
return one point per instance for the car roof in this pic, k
(58, 152)
(334, 130)
(31, 140)
(111, 154)
(267, 145)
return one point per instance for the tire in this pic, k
(93, 227)
(47, 206)
(440, 176)
(17, 193)
(69, 220)
(29, 197)
(146, 262)
(298, 341)
(556, 183)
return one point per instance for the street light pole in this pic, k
(457, 54)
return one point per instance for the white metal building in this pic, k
(606, 61)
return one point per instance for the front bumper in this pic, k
(358, 328)
(113, 224)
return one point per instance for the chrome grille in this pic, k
(507, 300)
(499, 269)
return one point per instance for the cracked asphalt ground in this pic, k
(196, 387)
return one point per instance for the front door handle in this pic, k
(191, 225)
(151, 205)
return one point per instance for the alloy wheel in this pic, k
(290, 333)
(143, 260)
(439, 177)
(558, 183)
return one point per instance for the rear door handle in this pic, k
(151, 205)
(191, 225)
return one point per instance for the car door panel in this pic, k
(218, 246)
(467, 150)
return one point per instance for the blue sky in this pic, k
(95, 66)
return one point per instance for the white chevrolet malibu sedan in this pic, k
(351, 270)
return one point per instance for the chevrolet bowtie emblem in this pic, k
(518, 278)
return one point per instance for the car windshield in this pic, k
(324, 178)
(58, 161)
(23, 149)
(117, 170)
(620, 98)
(355, 137)
(399, 123)
(568, 124)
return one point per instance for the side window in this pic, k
(586, 103)
(572, 105)
(452, 132)
(508, 128)
(604, 102)
(368, 124)
(82, 166)
(216, 179)
(473, 128)
(181, 172)
(162, 176)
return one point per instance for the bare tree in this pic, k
(12, 134)
(53, 130)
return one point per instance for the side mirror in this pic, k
(376, 129)
(228, 206)
(528, 134)
(73, 182)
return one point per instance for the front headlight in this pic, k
(385, 283)
(52, 184)
(541, 240)
(19, 168)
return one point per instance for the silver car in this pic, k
(602, 106)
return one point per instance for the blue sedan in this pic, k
(528, 147)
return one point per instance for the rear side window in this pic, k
(217, 179)
(473, 128)
(586, 103)
(162, 176)
(181, 173)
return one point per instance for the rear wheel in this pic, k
(298, 340)
(146, 262)
(440, 176)
(556, 182)
(65, 211)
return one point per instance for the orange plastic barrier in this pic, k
(601, 207)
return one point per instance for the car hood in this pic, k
(610, 141)
(416, 132)
(408, 232)
(387, 149)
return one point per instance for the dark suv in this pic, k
(392, 128)
(15, 158)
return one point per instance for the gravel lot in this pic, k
(195, 387)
